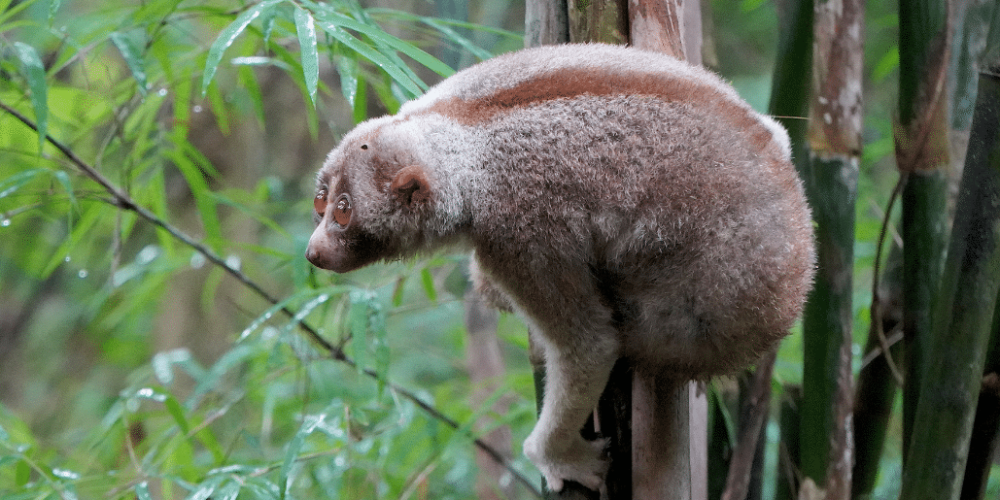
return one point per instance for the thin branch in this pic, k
(875, 327)
(895, 335)
(123, 200)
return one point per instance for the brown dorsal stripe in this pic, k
(575, 82)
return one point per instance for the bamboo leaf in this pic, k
(11, 184)
(360, 111)
(427, 280)
(206, 489)
(368, 52)
(67, 185)
(357, 324)
(177, 412)
(348, 70)
(133, 59)
(306, 29)
(228, 492)
(295, 447)
(198, 185)
(228, 36)
(86, 222)
(454, 36)
(267, 21)
(232, 358)
(34, 73)
(11, 13)
(397, 291)
(379, 36)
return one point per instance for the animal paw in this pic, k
(575, 459)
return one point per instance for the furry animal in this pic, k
(623, 202)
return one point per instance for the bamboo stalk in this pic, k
(962, 321)
(788, 452)
(790, 93)
(603, 21)
(877, 387)
(922, 157)
(986, 427)
(545, 22)
(831, 185)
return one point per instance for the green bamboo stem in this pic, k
(877, 386)
(962, 320)
(924, 228)
(792, 71)
(976, 22)
(986, 427)
(789, 103)
(831, 185)
(922, 156)
(788, 452)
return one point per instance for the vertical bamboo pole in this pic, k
(878, 379)
(790, 103)
(788, 453)
(969, 286)
(663, 441)
(831, 184)
(986, 427)
(545, 22)
(922, 157)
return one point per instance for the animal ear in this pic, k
(411, 187)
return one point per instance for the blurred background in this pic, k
(133, 366)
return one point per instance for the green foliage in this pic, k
(294, 398)
(153, 364)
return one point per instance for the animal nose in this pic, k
(312, 255)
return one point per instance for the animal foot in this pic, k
(575, 459)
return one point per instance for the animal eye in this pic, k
(342, 210)
(319, 202)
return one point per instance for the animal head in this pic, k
(371, 196)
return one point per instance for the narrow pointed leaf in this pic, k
(357, 323)
(228, 36)
(348, 69)
(368, 52)
(267, 21)
(11, 184)
(379, 36)
(64, 180)
(34, 73)
(133, 59)
(202, 195)
(454, 36)
(427, 279)
(306, 29)
(295, 447)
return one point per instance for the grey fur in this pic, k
(622, 202)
